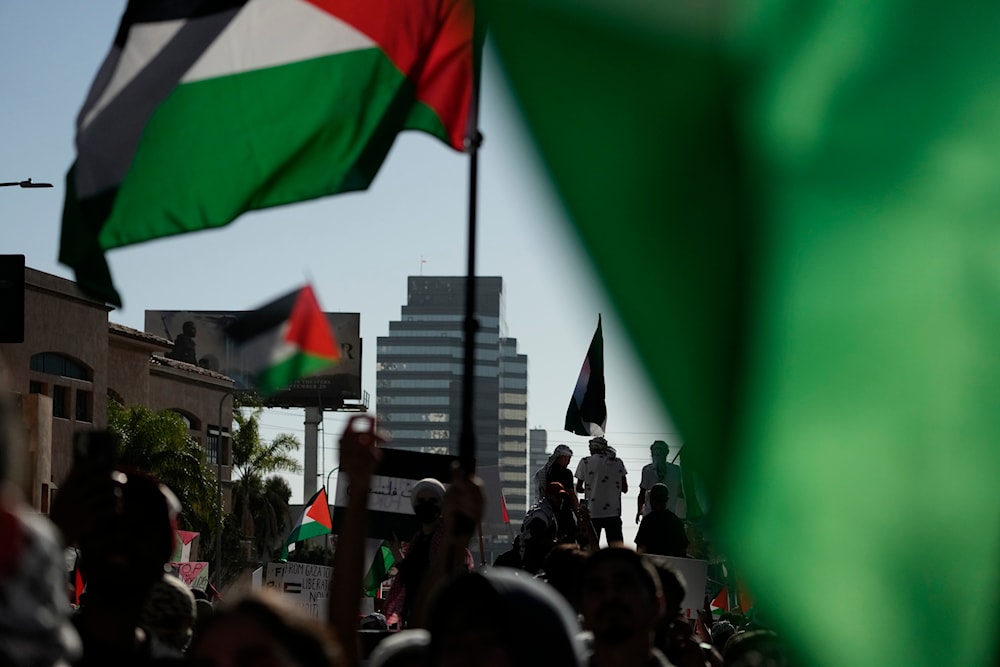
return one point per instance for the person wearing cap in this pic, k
(661, 531)
(540, 527)
(427, 500)
(602, 477)
(659, 471)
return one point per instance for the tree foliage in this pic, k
(260, 495)
(158, 443)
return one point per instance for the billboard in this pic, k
(199, 338)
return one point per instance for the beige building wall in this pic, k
(72, 357)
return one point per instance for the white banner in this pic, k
(387, 494)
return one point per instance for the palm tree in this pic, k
(158, 443)
(260, 497)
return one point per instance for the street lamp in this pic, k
(329, 537)
(218, 480)
(26, 183)
(327, 487)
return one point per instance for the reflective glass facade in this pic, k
(419, 377)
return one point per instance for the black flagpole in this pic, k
(474, 139)
(467, 437)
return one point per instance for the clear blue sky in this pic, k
(358, 249)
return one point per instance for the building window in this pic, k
(215, 449)
(53, 363)
(83, 406)
(212, 446)
(60, 407)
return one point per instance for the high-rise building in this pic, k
(419, 375)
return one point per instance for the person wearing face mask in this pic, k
(427, 498)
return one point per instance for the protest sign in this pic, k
(695, 575)
(389, 510)
(195, 575)
(303, 585)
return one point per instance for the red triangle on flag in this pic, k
(319, 510)
(78, 586)
(721, 600)
(308, 327)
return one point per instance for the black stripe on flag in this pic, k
(266, 318)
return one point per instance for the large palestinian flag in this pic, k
(206, 109)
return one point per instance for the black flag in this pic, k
(588, 413)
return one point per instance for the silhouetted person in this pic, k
(501, 618)
(659, 471)
(621, 604)
(264, 629)
(661, 531)
(184, 345)
(170, 612)
(540, 527)
(124, 523)
(602, 477)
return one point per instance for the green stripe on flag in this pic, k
(284, 373)
(262, 138)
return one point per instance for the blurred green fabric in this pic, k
(794, 207)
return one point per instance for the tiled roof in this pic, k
(185, 366)
(123, 330)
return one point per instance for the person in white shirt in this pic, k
(602, 477)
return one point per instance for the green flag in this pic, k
(794, 204)
(378, 571)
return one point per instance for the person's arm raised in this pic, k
(359, 456)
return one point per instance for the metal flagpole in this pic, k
(467, 437)
(474, 139)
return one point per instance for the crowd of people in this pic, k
(565, 602)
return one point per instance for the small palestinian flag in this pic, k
(315, 521)
(588, 413)
(289, 338)
(720, 604)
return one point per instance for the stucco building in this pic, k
(73, 358)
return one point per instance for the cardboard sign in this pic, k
(304, 585)
(195, 575)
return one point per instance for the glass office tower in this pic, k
(419, 375)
